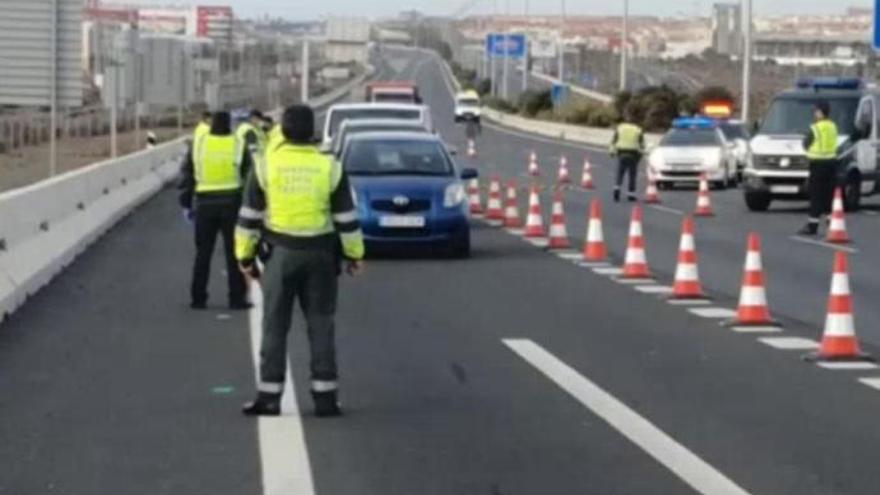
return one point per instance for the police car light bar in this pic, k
(694, 123)
(818, 83)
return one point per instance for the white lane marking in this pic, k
(540, 242)
(689, 302)
(713, 312)
(633, 281)
(666, 209)
(767, 329)
(592, 264)
(224, 316)
(608, 270)
(693, 470)
(543, 139)
(283, 454)
(842, 365)
(654, 289)
(570, 255)
(813, 242)
(871, 382)
(871, 213)
(790, 343)
(516, 231)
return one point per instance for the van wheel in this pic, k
(852, 193)
(757, 201)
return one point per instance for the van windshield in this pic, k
(794, 115)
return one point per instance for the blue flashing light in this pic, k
(695, 123)
(841, 83)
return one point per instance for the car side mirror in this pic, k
(469, 173)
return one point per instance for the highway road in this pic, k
(515, 372)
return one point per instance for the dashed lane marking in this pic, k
(765, 329)
(666, 209)
(871, 382)
(283, 454)
(790, 343)
(713, 312)
(634, 281)
(540, 242)
(688, 466)
(608, 270)
(592, 264)
(515, 231)
(689, 302)
(813, 242)
(857, 365)
(871, 213)
(654, 289)
(571, 255)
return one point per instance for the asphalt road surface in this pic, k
(515, 372)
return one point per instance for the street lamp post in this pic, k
(747, 60)
(505, 71)
(623, 45)
(561, 44)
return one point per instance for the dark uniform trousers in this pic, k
(628, 164)
(310, 277)
(823, 179)
(213, 218)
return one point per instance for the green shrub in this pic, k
(501, 105)
(532, 102)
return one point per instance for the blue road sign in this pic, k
(559, 94)
(877, 25)
(507, 45)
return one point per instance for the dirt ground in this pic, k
(31, 164)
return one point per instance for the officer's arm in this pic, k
(346, 221)
(187, 184)
(642, 141)
(613, 147)
(250, 139)
(250, 220)
(247, 163)
(808, 139)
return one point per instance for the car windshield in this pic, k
(788, 116)
(396, 157)
(340, 115)
(347, 132)
(691, 137)
(734, 131)
(468, 102)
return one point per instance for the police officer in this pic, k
(299, 201)
(250, 132)
(627, 145)
(210, 195)
(821, 146)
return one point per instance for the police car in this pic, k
(693, 147)
(778, 168)
(467, 106)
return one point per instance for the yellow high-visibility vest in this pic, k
(628, 138)
(824, 145)
(217, 164)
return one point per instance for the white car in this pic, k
(339, 113)
(467, 107)
(693, 147)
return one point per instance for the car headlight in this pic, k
(655, 161)
(713, 160)
(454, 195)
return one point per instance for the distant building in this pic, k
(810, 50)
(727, 28)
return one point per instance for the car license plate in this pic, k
(402, 222)
(784, 189)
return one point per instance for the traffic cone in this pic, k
(511, 209)
(635, 265)
(839, 342)
(564, 177)
(587, 178)
(535, 220)
(558, 231)
(687, 277)
(534, 171)
(837, 227)
(471, 148)
(753, 309)
(476, 204)
(651, 194)
(594, 247)
(704, 203)
(494, 210)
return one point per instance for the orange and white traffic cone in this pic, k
(534, 171)
(839, 342)
(753, 310)
(704, 203)
(494, 210)
(635, 265)
(651, 194)
(535, 219)
(558, 231)
(587, 177)
(476, 204)
(564, 176)
(471, 148)
(511, 209)
(687, 276)
(595, 249)
(837, 227)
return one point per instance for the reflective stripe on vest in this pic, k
(298, 182)
(216, 165)
(824, 145)
(628, 138)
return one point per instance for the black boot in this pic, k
(326, 404)
(810, 229)
(240, 305)
(264, 405)
(617, 195)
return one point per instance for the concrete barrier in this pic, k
(45, 226)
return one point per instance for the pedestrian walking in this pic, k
(627, 144)
(821, 145)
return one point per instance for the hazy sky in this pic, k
(310, 9)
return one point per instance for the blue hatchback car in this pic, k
(409, 192)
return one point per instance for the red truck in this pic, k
(393, 92)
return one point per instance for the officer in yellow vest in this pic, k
(821, 146)
(627, 145)
(298, 201)
(210, 194)
(250, 132)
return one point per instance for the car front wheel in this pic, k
(852, 193)
(757, 201)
